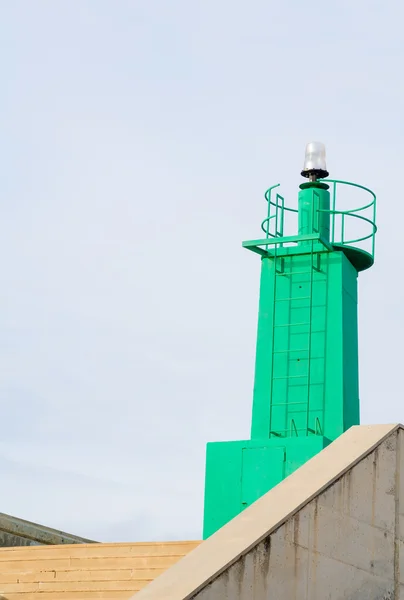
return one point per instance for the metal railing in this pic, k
(277, 216)
(338, 236)
(274, 224)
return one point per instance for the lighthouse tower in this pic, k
(306, 389)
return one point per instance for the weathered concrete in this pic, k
(85, 571)
(18, 532)
(332, 530)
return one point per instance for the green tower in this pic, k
(306, 389)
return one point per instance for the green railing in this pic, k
(274, 224)
(275, 214)
(338, 235)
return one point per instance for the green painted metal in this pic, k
(306, 390)
(240, 472)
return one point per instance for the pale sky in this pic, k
(137, 140)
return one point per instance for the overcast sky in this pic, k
(137, 140)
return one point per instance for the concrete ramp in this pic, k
(333, 529)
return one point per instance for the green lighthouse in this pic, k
(306, 390)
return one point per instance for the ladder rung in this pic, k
(300, 350)
(288, 430)
(297, 272)
(289, 274)
(304, 332)
(289, 403)
(292, 324)
(291, 377)
(293, 298)
(288, 351)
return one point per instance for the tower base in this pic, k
(240, 472)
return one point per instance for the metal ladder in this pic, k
(311, 426)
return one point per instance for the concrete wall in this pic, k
(332, 530)
(84, 571)
(18, 532)
(346, 543)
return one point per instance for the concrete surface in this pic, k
(333, 529)
(18, 532)
(85, 571)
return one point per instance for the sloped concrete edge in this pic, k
(226, 546)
